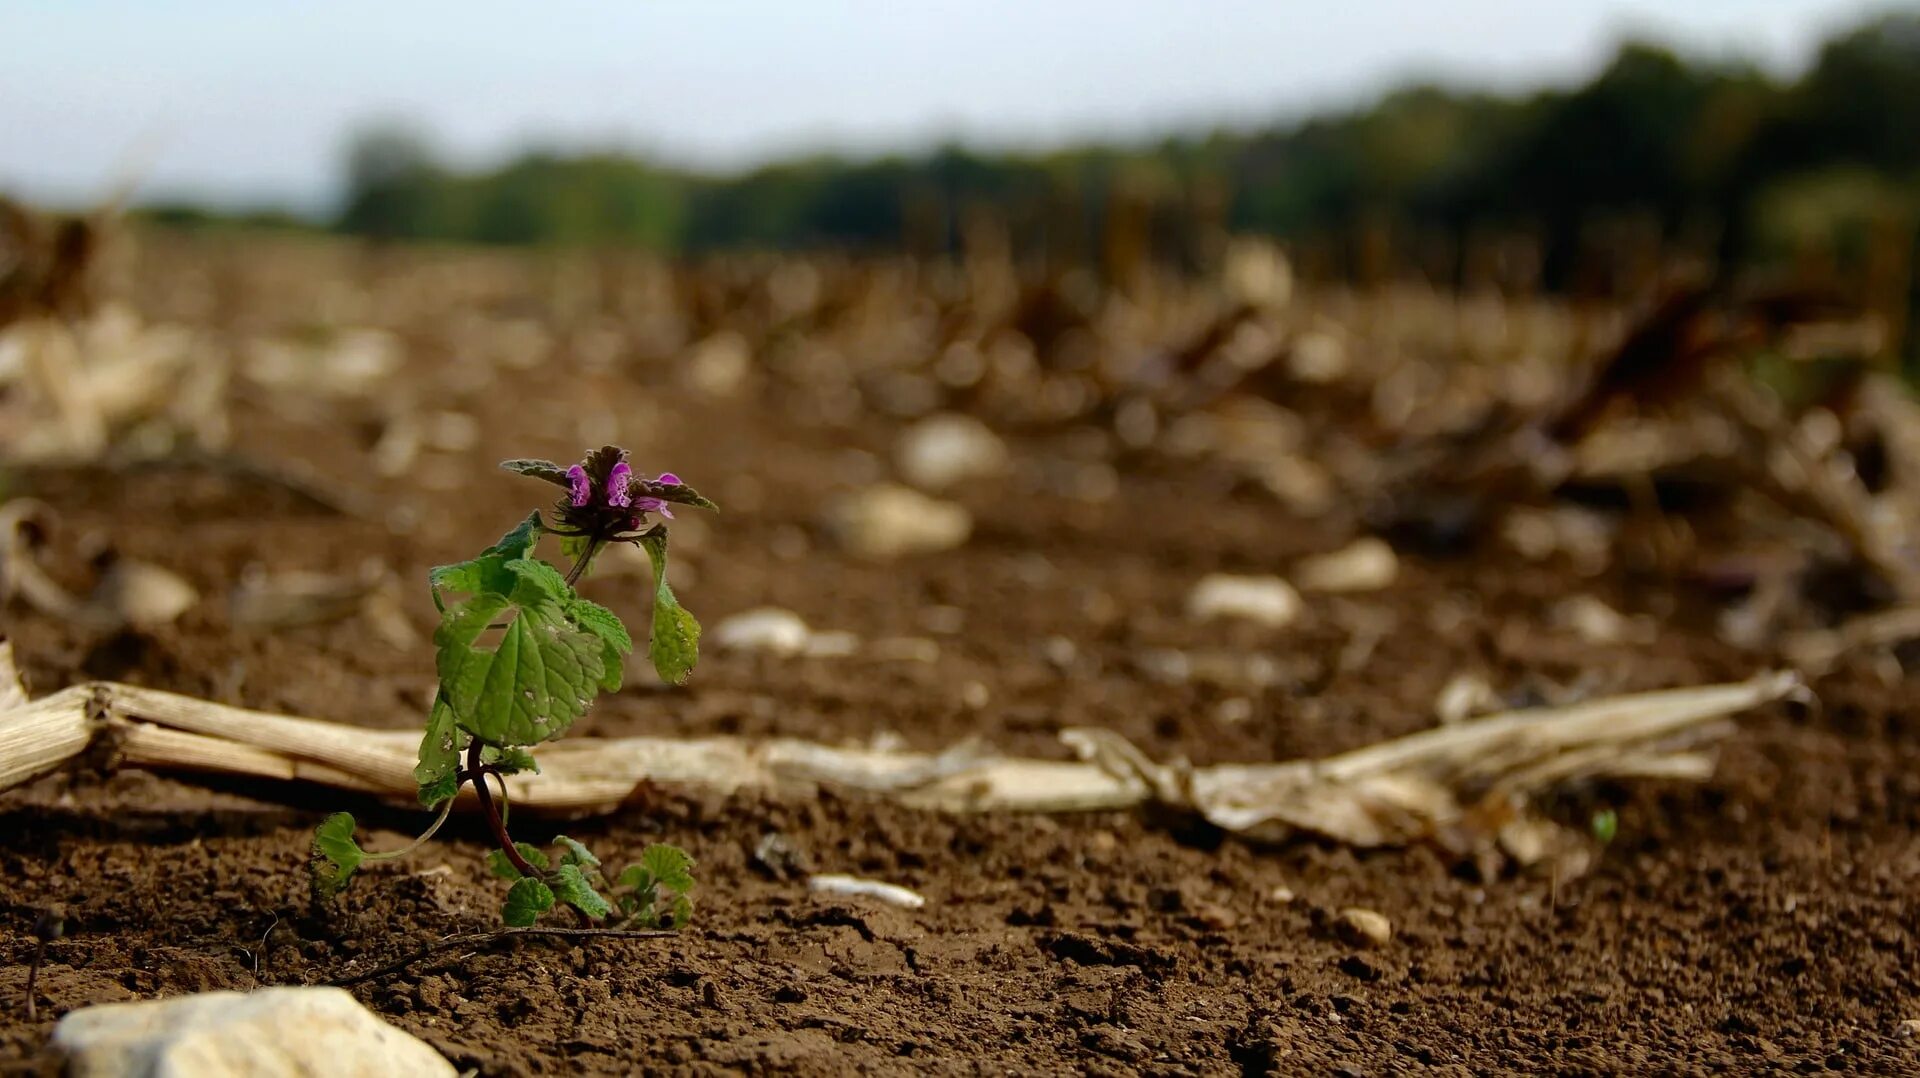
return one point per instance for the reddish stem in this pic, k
(499, 826)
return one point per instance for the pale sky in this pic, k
(251, 100)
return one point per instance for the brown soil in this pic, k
(1762, 921)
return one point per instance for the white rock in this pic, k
(1257, 272)
(1364, 927)
(275, 1031)
(888, 521)
(1268, 600)
(1464, 696)
(719, 364)
(768, 628)
(942, 450)
(1301, 484)
(1597, 623)
(781, 632)
(1318, 358)
(144, 595)
(856, 887)
(1367, 564)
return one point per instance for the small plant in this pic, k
(521, 657)
(1605, 825)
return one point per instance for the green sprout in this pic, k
(1605, 824)
(521, 657)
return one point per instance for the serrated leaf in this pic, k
(509, 761)
(571, 886)
(679, 913)
(335, 855)
(488, 572)
(440, 749)
(576, 854)
(669, 866)
(526, 901)
(539, 469)
(615, 644)
(684, 495)
(602, 623)
(538, 580)
(501, 866)
(541, 676)
(440, 789)
(674, 646)
(634, 878)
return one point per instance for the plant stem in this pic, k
(50, 925)
(446, 809)
(580, 565)
(33, 977)
(494, 821)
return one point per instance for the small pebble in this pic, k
(1267, 600)
(1364, 927)
(854, 886)
(1367, 564)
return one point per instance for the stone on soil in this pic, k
(1364, 565)
(288, 1031)
(1268, 600)
(888, 521)
(1363, 927)
(942, 450)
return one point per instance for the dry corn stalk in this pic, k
(1392, 793)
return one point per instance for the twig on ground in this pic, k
(483, 939)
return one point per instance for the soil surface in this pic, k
(1762, 921)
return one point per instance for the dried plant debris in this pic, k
(1468, 784)
(127, 593)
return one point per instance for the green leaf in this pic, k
(679, 913)
(1606, 824)
(539, 469)
(571, 886)
(538, 580)
(499, 865)
(576, 854)
(669, 866)
(509, 761)
(675, 644)
(488, 572)
(615, 644)
(440, 753)
(546, 668)
(526, 901)
(634, 878)
(335, 855)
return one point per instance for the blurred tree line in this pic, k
(1656, 149)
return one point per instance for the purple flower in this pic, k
(579, 485)
(649, 504)
(617, 480)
